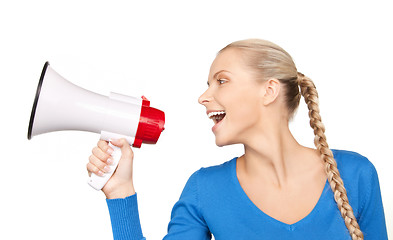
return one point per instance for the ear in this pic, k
(272, 89)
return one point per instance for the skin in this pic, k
(120, 185)
(281, 177)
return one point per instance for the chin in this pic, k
(220, 142)
(224, 141)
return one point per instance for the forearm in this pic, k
(125, 218)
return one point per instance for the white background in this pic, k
(163, 50)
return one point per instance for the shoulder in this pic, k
(352, 164)
(359, 176)
(214, 176)
(218, 171)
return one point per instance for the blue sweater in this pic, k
(213, 202)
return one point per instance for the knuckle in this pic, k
(102, 144)
(124, 142)
(106, 150)
(129, 153)
(91, 168)
(98, 153)
(94, 169)
(94, 150)
(93, 162)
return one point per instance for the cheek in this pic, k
(244, 113)
(237, 127)
(244, 118)
(247, 106)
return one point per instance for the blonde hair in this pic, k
(271, 61)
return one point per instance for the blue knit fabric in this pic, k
(125, 218)
(214, 203)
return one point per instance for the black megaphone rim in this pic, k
(37, 96)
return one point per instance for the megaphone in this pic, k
(61, 105)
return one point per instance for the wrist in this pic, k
(120, 192)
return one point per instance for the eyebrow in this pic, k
(215, 75)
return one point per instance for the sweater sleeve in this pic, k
(187, 221)
(125, 218)
(371, 214)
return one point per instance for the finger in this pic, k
(103, 145)
(91, 168)
(100, 165)
(103, 156)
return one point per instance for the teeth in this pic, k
(212, 114)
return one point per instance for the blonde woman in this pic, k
(277, 189)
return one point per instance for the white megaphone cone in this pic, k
(61, 105)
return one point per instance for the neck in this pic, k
(271, 156)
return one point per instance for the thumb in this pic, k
(123, 145)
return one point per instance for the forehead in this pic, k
(230, 60)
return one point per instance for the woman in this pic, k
(278, 189)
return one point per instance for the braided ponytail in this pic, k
(310, 95)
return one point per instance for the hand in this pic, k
(120, 185)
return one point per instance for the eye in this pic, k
(221, 81)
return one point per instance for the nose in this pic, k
(205, 98)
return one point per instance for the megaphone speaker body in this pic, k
(61, 105)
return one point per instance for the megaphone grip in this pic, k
(98, 182)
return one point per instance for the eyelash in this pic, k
(219, 80)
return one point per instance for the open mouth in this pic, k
(217, 116)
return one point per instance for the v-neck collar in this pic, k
(266, 217)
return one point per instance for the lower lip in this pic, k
(214, 128)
